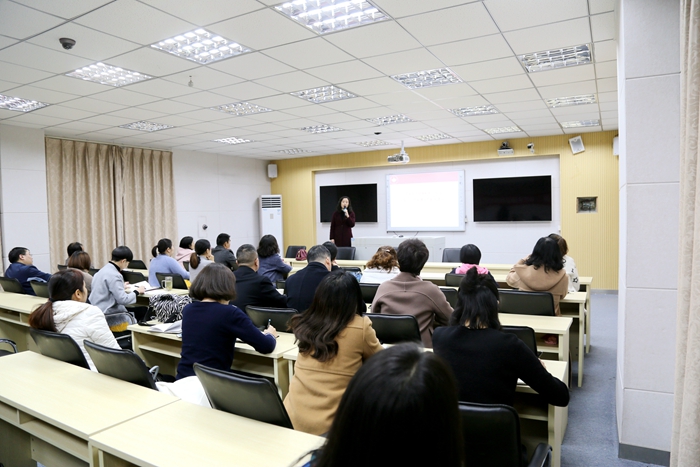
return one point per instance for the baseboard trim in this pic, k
(646, 455)
(604, 291)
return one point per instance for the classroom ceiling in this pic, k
(477, 41)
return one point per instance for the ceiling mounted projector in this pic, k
(400, 158)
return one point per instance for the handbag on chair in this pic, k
(168, 307)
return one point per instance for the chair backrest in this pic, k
(40, 288)
(450, 295)
(281, 284)
(453, 280)
(186, 265)
(525, 303)
(368, 291)
(178, 281)
(137, 264)
(59, 346)
(133, 277)
(278, 317)
(93, 271)
(246, 396)
(345, 252)
(351, 269)
(491, 435)
(120, 364)
(11, 285)
(61, 267)
(525, 334)
(9, 342)
(392, 329)
(450, 255)
(292, 250)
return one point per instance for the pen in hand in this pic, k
(270, 329)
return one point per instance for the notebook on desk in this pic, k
(168, 328)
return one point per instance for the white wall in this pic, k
(221, 191)
(499, 242)
(649, 89)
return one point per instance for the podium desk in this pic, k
(184, 434)
(49, 409)
(15, 309)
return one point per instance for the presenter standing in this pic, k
(342, 222)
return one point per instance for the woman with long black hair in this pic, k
(342, 222)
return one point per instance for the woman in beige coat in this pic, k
(334, 340)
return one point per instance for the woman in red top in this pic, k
(342, 222)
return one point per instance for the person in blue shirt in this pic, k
(22, 268)
(164, 263)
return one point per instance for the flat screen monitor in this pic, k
(513, 199)
(362, 197)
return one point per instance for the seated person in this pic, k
(72, 248)
(335, 340)
(383, 266)
(200, 258)
(470, 255)
(301, 286)
(184, 250)
(569, 264)
(486, 361)
(252, 288)
(80, 260)
(164, 263)
(108, 292)
(408, 294)
(211, 326)
(22, 268)
(66, 312)
(222, 251)
(272, 265)
(333, 250)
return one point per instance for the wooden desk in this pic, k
(190, 435)
(14, 318)
(156, 348)
(49, 409)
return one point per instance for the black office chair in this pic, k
(450, 295)
(292, 250)
(11, 285)
(278, 317)
(178, 281)
(133, 277)
(525, 334)
(492, 438)
(61, 267)
(525, 303)
(450, 255)
(40, 288)
(246, 396)
(186, 265)
(345, 252)
(121, 364)
(453, 280)
(11, 344)
(137, 264)
(93, 271)
(59, 346)
(281, 284)
(392, 329)
(368, 291)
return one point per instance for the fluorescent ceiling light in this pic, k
(580, 123)
(241, 108)
(571, 100)
(323, 16)
(323, 94)
(427, 78)
(320, 129)
(146, 126)
(201, 46)
(369, 144)
(19, 105)
(433, 137)
(472, 111)
(294, 151)
(557, 58)
(389, 120)
(503, 129)
(107, 74)
(233, 140)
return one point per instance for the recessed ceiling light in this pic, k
(389, 120)
(146, 126)
(427, 78)
(107, 74)
(233, 140)
(557, 58)
(19, 105)
(241, 108)
(320, 129)
(580, 123)
(503, 129)
(323, 94)
(294, 151)
(571, 100)
(201, 46)
(323, 16)
(472, 111)
(369, 144)
(433, 137)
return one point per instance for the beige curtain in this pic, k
(81, 198)
(146, 209)
(685, 445)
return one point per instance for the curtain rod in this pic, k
(102, 142)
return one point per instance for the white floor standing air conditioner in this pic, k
(271, 217)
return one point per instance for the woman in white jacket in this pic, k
(66, 312)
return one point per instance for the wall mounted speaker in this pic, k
(272, 170)
(576, 145)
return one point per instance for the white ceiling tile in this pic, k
(281, 102)
(370, 113)
(607, 97)
(125, 97)
(609, 115)
(6, 86)
(563, 75)
(576, 131)
(574, 109)
(495, 120)
(529, 114)
(461, 101)
(23, 124)
(512, 96)
(308, 111)
(246, 91)
(202, 99)
(5, 114)
(204, 14)
(521, 106)
(203, 78)
(605, 51)
(345, 105)
(374, 86)
(515, 14)
(354, 70)
(252, 66)
(451, 24)
(152, 62)
(90, 44)
(610, 124)
(162, 88)
(447, 91)
(169, 107)
(409, 108)
(64, 8)
(603, 26)
(550, 36)
(540, 127)
(109, 120)
(404, 62)
(400, 8)
(605, 106)
(33, 21)
(537, 121)
(570, 89)
(308, 54)
(472, 50)
(606, 69)
(291, 82)
(73, 86)
(21, 74)
(93, 105)
(36, 118)
(579, 116)
(601, 6)
(137, 114)
(397, 98)
(374, 39)
(509, 83)
(607, 84)
(490, 69)
(6, 41)
(33, 56)
(48, 96)
(66, 113)
(545, 132)
(206, 115)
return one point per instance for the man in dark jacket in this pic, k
(22, 268)
(301, 287)
(222, 252)
(252, 288)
